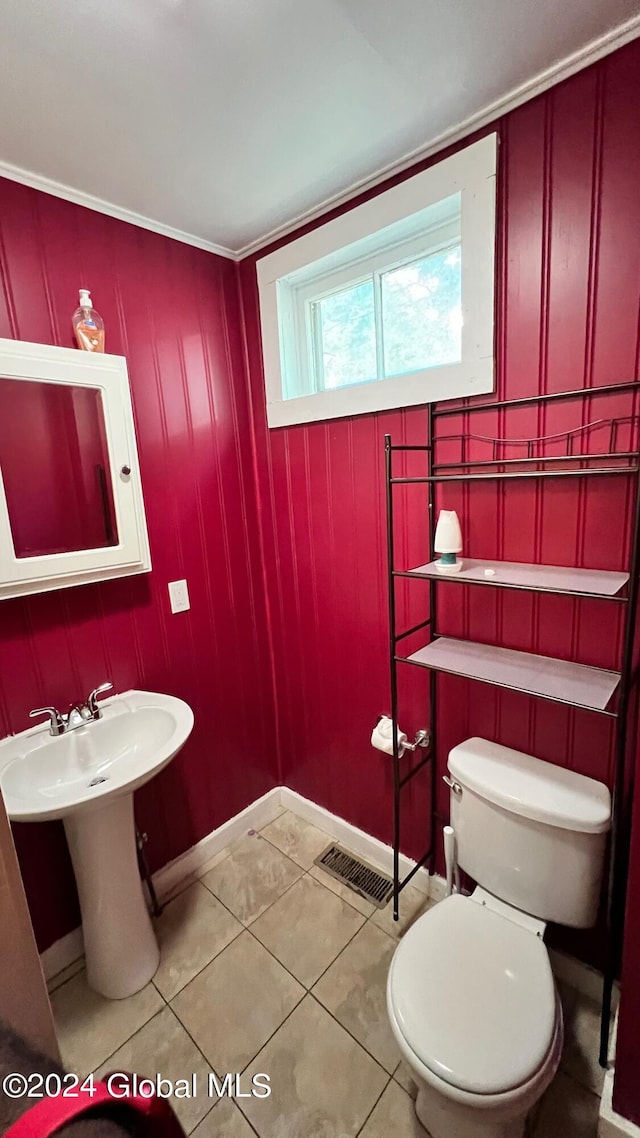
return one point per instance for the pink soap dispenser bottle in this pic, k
(88, 324)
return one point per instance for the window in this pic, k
(389, 305)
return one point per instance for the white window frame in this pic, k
(293, 273)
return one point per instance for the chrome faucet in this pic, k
(78, 715)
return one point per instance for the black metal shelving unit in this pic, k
(587, 689)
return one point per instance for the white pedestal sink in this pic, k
(87, 777)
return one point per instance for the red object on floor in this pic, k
(50, 1114)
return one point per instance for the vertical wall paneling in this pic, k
(281, 533)
(568, 234)
(174, 312)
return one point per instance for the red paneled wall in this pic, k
(281, 534)
(174, 312)
(567, 317)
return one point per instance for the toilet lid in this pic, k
(472, 994)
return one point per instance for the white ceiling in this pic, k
(229, 119)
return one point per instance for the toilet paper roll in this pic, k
(382, 737)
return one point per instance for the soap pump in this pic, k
(88, 325)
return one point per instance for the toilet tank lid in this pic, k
(531, 787)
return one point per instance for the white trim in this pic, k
(108, 375)
(578, 975)
(69, 948)
(66, 950)
(590, 53)
(62, 953)
(610, 1123)
(257, 815)
(358, 841)
(471, 175)
(89, 201)
(584, 57)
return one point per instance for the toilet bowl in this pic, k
(475, 1012)
(470, 993)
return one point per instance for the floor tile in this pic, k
(193, 928)
(65, 974)
(307, 928)
(298, 839)
(276, 812)
(568, 997)
(236, 1003)
(224, 1121)
(323, 1083)
(166, 895)
(211, 862)
(394, 1114)
(252, 877)
(404, 1075)
(348, 895)
(162, 1047)
(354, 991)
(582, 1043)
(413, 903)
(567, 1111)
(90, 1027)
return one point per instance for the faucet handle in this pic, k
(92, 699)
(56, 723)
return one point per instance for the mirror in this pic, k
(58, 487)
(71, 504)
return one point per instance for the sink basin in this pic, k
(43, 778)
(87, 778)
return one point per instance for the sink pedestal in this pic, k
(121, 949)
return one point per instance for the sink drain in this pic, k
(97, 781)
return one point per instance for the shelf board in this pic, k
(542, 676)
(542, 578)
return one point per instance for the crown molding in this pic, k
(78, 197)
(591, 52)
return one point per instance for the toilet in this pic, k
(470, 993)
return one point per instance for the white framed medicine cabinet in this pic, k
(71, 505)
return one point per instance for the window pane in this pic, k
(422, 313)
(347, 336)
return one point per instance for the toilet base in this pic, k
(444, 1118)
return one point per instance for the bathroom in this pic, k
(280, 533)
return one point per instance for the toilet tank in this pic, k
(529, 832)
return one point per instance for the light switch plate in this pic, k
(179, 596)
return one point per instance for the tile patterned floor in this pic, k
(269, 965)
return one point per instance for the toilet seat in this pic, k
(473, 997)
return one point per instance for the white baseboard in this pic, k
(70, 947)
(254, 816)
(610, 1123)
(62, 953)
(358, 841)
(577, 975)
(166, 880)
(257, 815)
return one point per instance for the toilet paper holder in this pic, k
(423, 739)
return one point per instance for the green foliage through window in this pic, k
(347, 349)
(405, 319)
